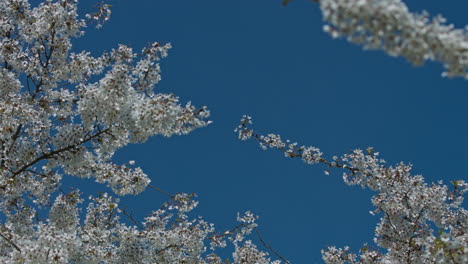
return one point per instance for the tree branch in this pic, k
(10, 242)
(58, 151)
(268, 246)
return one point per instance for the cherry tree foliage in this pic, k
(66, 112)
(421, 222)
(410, 207)
(389, 26)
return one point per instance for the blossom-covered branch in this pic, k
(410, 207)
(388, 25)
(67, 112)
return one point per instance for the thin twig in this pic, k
(161, 191)
(270, 248)
(166, 248)
(124, 212)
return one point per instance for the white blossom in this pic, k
(67, 113)
(420, 222)
(388, 25)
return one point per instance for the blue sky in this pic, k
(276, 64)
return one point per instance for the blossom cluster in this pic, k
(420, 223)
(388, 25)
(411, 208)
(66, 113)
(167, 235)
(309, 155)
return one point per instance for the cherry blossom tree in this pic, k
(67, 113)
(421, 222)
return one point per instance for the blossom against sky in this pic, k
(277, 65)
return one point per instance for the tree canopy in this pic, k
(66, 112)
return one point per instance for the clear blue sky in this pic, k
(277, 65)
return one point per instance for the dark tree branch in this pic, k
(10, 242)
(58, 151)
(130, 217)
(268, 246)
